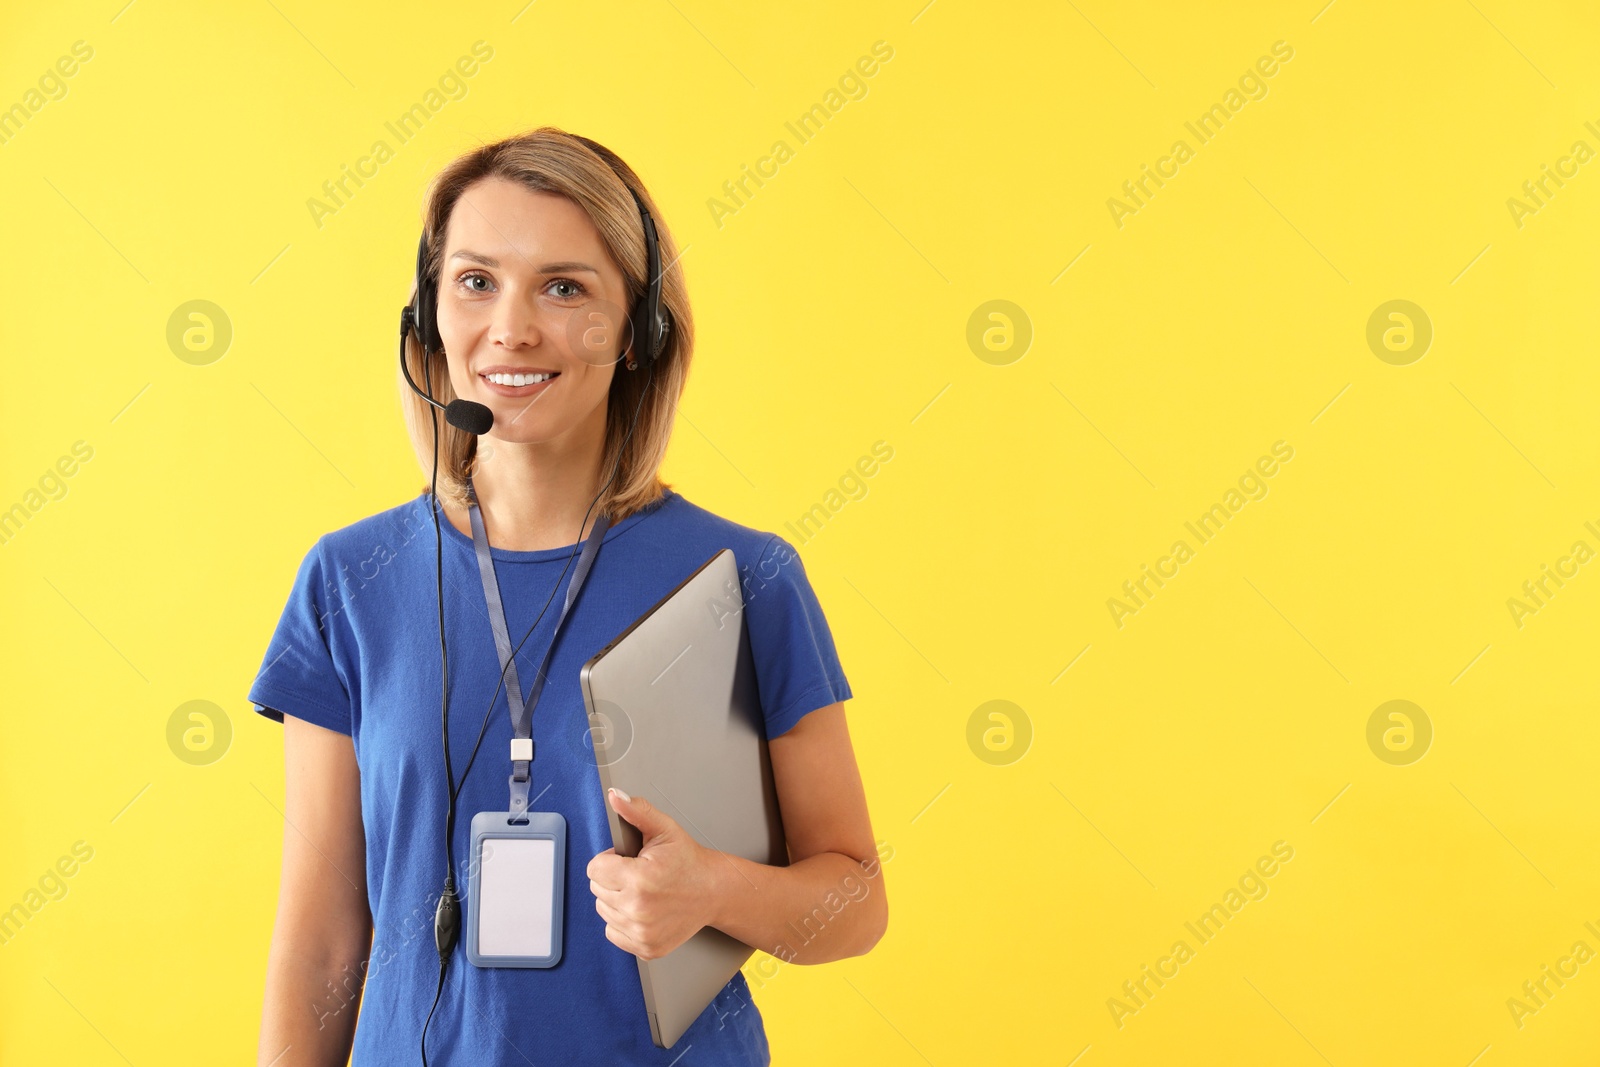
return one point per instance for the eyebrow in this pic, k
(549, 268)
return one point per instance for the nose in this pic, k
(515, 322)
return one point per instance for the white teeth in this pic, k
(518, 379)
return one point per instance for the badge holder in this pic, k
(515, 883)
(517, 865)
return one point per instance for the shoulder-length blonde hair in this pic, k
(592, 176)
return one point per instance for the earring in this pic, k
(632, 364)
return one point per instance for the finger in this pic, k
(611, 914)
(610, 871)
(649, 820)
(622, 941)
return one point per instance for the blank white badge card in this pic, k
(517, 892)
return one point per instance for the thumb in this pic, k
(650, 821)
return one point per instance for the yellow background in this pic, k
(1229, 313)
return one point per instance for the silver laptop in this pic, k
(675, 718)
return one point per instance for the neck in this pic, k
(533, 496)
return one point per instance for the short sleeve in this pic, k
(797, 665)
(298, 675)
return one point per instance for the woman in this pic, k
(534, 245)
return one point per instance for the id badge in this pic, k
(515, 883)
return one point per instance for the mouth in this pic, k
(518, 383)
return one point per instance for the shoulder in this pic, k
(677, 514)
(377, 536)
(796, 661)
(678, 518)
(763, 556)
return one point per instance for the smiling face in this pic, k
(528, 289)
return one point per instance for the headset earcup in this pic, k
(425, 320)
(663, 325)
(641, 332)
(643, 351)
(429, 333)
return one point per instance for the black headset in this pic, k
(649, 322)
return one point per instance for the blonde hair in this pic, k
(551, 160)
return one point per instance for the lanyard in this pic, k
(522, 713)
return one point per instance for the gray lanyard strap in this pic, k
(522, 713)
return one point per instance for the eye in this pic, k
(577, 289)
(470, 275)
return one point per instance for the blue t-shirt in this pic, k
(357, 651)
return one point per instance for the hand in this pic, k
(657, 900)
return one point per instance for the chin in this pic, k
(525, 431)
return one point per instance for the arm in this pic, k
(829, 903)
(323, 933)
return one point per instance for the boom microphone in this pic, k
(466, 415)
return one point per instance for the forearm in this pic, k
(825, 907)
(310, 1005)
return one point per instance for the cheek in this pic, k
(596, 384)
(460, 340)
(455, 324)
(459, 375)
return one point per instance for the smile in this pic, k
(508, 384)
(519, 379)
